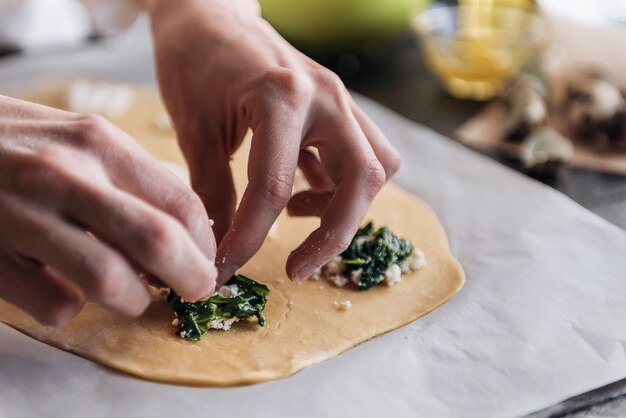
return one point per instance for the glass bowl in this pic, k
(474, 49)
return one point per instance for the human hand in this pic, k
(82, 205)
(223, 69)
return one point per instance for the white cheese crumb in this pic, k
(228, 291)
(211, 222)
(338, 280)
(393, 275)
(355, 276)
(223, 324)
(182, 334)
(110, 99)
(97, 101)
(78, 96)
(175, 322)
(119, 99)
(418, 260)
(317, 274)
(333, 267)
(343, 305)
(405, 267)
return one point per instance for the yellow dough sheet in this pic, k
(303, 325)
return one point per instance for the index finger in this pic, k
(345, 212)
(271, 169)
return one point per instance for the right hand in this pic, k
(222, 69)
(82, 206)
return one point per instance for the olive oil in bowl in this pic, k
(473, 48)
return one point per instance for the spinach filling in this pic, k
(374, 251)
(194, 318)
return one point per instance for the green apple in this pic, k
(336, 23)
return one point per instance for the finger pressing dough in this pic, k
(305, 323)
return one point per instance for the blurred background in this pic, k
(454, 66)
(444, 64)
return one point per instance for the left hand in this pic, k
(222, 69)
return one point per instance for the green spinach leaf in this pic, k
(374, 251)
(194, 318)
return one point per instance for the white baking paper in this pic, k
(542, 316)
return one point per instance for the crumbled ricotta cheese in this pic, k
(78, 95)
(344, 305)
(120, 98)
(175, 322)
(418, 260)
(405, 267)
(182, 334)
(223, 324)
(228, 291)
(317, 274)
(110, 99)
(355, 276)
(333, 267)
(334, 270)
(338, 280)
(393, 275)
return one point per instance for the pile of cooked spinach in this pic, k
(374, 255)
(194, 318)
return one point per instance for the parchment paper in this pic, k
(542, 316)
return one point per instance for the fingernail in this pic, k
(304, 273)
(211, 278)
(226, 272)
